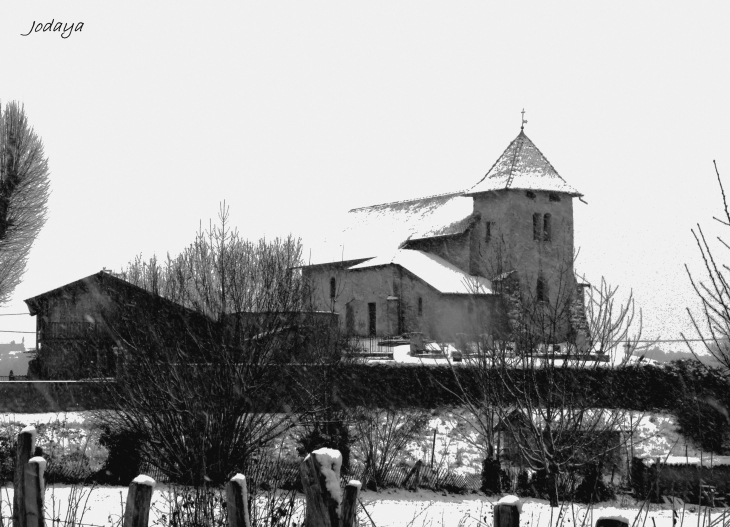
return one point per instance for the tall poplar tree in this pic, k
(24, 189)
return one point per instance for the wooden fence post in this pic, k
(237, 502)
(507, 512)
(414, 473)
(323, 500)
(349, 504)
(23, 453)
(139, 497)
(33, 497)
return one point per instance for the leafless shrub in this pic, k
(202, 357)
(381, 436)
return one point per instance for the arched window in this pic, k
(420, 306)
(333, 288)
(542, 293)
(536, 227)
(546, 234)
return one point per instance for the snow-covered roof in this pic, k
(379, 229)
(522, 166)
(434, 270)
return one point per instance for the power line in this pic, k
(10, 331)
(11, 314)
(675, 340)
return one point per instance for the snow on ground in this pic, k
(656, 437)
(103, 506)
(402, 354)
(44, 418)
(457, 444)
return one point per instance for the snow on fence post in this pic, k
(23, 453)
(139, 497)
(237, 502)
(507, 512)
(320, 474)
(33, 495)
(349, 504)
(612, 521)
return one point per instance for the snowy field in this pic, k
(456, 444)
(657, 437)
(102, 506)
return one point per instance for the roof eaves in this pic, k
(454, 194)
(343, 263)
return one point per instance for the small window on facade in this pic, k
(420, 306)
(333, 287)
(542, 294)
(371, 319)
(546, 228)
(530, 194)
(488, 231)
(536, 227)
(349, 319)
(554, 197)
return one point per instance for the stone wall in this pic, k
(512, 246)
(396, 293)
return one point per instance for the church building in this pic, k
(452, 266)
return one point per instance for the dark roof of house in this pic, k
(101, 282)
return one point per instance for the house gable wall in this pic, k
(442, 316)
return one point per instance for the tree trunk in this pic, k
(552, 484)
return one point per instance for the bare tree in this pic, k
(713, 325)
(523, 402)
(202, 356)
(24, 189)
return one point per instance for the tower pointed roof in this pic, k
(522, 166)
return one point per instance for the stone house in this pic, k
(455, 263)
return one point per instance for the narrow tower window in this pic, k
(542, 294)
(333, 288)
(536, 227)
(488, 231)
(420, 306)
(546, 228)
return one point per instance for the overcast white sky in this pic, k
(295, 112)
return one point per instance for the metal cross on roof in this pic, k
(523, 120)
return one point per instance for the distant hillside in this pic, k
(14, 357)
(661, 356)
